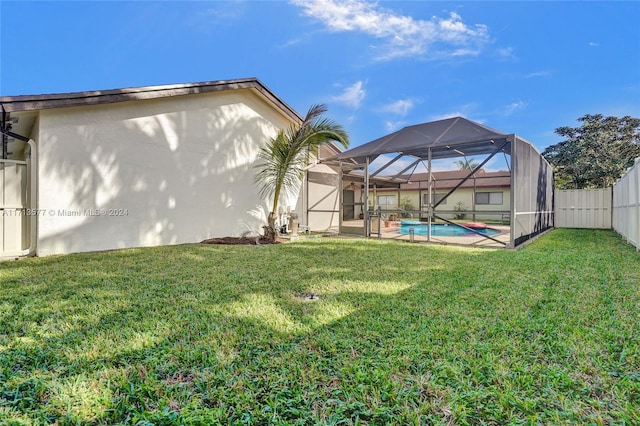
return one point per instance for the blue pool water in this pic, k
(442, 230)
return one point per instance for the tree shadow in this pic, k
(395, 325)
(162, 171)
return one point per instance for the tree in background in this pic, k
(460, 210)
(285, 156)
(466, 164)
(595, 154)
(406, 207)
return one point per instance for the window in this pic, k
(436, 198)
(494, 198)
(387, 202)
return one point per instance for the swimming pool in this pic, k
(442, 230)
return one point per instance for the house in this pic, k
(492, 195)
(134, 167)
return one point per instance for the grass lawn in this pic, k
(402, 334)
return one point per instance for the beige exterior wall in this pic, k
(166, 171)
(464, 195)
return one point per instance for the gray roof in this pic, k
(447, 138)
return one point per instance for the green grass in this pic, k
(402, 334)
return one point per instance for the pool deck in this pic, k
(391, 232)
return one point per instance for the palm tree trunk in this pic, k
(270, 229)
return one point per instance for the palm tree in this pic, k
(466, 164)
(285, 156)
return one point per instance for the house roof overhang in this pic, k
(96, 97)
(20, 113)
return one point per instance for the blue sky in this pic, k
(521, 67)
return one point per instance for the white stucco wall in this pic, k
(166, 171)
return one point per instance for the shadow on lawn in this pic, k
(396, 326)
(81, 316)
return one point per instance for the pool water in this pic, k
(442, 230)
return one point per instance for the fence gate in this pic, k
(13, 208)
(583, 208)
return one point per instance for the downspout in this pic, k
(512, 199)
(32, 187)
(430, 207)
(473, 198)
(305, 200)
(340, 199)
(398, 203)
(365, 207)
(419, 201)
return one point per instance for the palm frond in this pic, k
(283, 158)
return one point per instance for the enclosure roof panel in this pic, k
(446, 138)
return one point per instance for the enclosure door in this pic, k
(348, 204)
(352, 214)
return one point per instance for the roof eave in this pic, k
(96, 97)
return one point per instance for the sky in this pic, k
(519, 67)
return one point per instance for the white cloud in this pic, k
(404, 36)
(350, 119)
(593, 44)
(392, 126)
(447, 115)
(227, 11)
(465, 52)
(399, 107)
(468, 111)
(513, 107)
(537, 74)
(505, 52)
(352, 96)
(290, 42)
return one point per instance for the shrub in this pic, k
(460, 208)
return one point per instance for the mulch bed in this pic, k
(239, 241)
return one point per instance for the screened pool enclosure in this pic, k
(395, 186)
